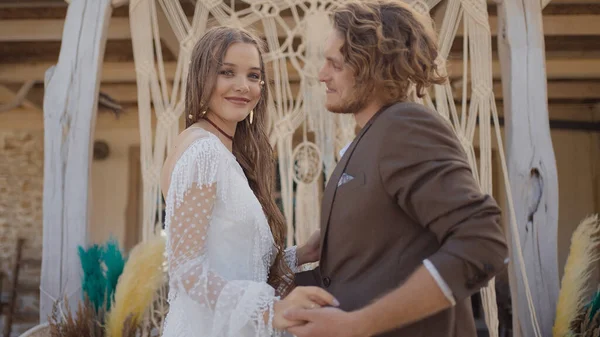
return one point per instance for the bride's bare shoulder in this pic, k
(181, 142)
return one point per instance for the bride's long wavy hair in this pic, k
(251, 145)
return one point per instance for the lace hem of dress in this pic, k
(266, 328)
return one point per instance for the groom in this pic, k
(407, 236)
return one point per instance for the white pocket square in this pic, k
(344, 179)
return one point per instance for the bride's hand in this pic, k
(301, 297)
(309, 252)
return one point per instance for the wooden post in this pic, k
(531, 164)
(70, 105)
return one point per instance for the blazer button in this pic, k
(326, 281)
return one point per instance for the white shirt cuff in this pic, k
(440, 281)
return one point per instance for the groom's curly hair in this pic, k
(389, 46)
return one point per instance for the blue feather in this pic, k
(114, 262)
(93, 281)
(594, 303)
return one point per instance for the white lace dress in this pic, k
(220, 248)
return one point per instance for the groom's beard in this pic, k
(356, 102)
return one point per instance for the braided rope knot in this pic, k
(476, 10)
(167, 119)
(421, 7)
(144, 69)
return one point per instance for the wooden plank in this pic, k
(25, 119)
(531, 168)
(573, 90)
(51, 29)
(579, 68)
(559, 25)
(571, 25)
(561, 68)
(70, 105)
(559, 90)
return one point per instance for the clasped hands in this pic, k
(313, 312)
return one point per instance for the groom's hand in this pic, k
(326, 322)
(310, 251)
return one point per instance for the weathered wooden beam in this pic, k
(50, 29)
(70, 105)
(562, 68)
(531, 168)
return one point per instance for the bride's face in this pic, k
(237, 88)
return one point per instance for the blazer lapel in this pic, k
(331, 188)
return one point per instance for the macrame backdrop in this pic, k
(297, 105)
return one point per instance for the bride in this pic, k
(228, 273)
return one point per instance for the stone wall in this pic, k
(21, 189)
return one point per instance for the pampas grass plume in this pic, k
(141, 277)
(571, 298)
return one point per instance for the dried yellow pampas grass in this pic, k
(582, 255)
(142, 276)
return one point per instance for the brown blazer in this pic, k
(412, 197)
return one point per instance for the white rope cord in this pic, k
(477, 61)
(298, 101)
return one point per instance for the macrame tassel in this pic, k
(307, 211)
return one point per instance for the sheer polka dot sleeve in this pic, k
(233, 305)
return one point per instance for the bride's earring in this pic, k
(190, 116)
(251, 115)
